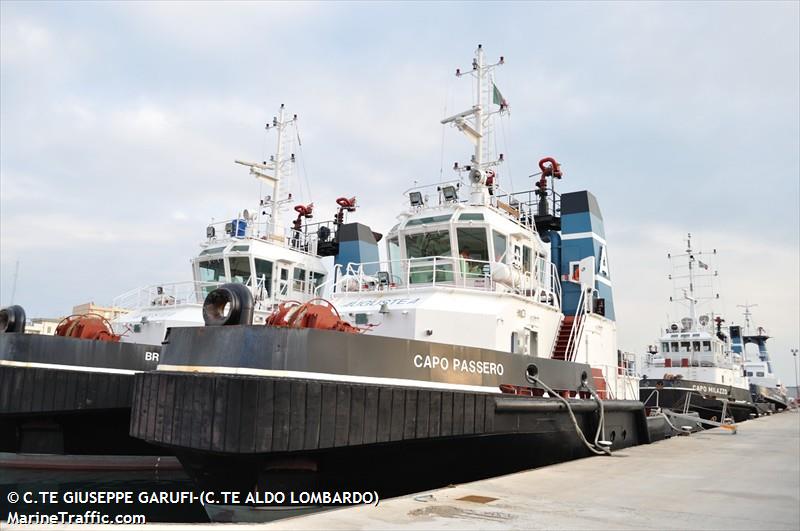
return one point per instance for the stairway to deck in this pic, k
(560, 348)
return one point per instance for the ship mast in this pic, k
(747, 314)
(276, 165)
(475, 125)
(694, 266)
(691, 298)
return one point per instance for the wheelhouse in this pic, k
(467, 246)
(273, 273)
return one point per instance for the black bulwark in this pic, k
(262, 390)
(353, 356)
(46, 374)
(62, 395)
(234, 414)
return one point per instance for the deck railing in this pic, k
(542, 284)
(182, 293)
(168, 294)
(305, 240)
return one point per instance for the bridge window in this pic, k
(472, 249)
(706, 346)
(696, 346)
(393, 245)
(499, 241)
(240, 269)
(685, 346)
(749, 373)
(264, 275)
(674, 346)
(760, 373)
(427, 244)
(212, 270)
(426, 220)
(470, 216)
(664, 347)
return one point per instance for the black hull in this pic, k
(393, 469)
(244, 433)
(61, 395)
(321, 410)
(769, 397)
(675, 395)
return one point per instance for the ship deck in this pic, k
(709, 480)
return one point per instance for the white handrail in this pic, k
(301, 241)
(167, 294)
(576, 328)
(461, 273)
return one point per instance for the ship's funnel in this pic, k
(582, 236)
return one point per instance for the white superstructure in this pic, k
(466, 266)
(253, 248)
(696, 348)
(757, 362)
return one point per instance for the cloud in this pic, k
(120, 123)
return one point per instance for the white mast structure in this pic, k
(693, 263)
(275, 165)
(747, 314)
(475, 124)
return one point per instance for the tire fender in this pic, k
(240, 304)
(12, 320)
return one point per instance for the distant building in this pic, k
(42, 326)
(104, 311)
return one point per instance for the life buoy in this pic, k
(236, 299)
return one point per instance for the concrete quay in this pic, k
(709, 480)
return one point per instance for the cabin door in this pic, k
(283, 282)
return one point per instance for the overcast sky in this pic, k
(120, 123)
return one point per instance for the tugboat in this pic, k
(71, 393)
(485, 343)
(275, 262)
(693, 368)
(766, 389)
